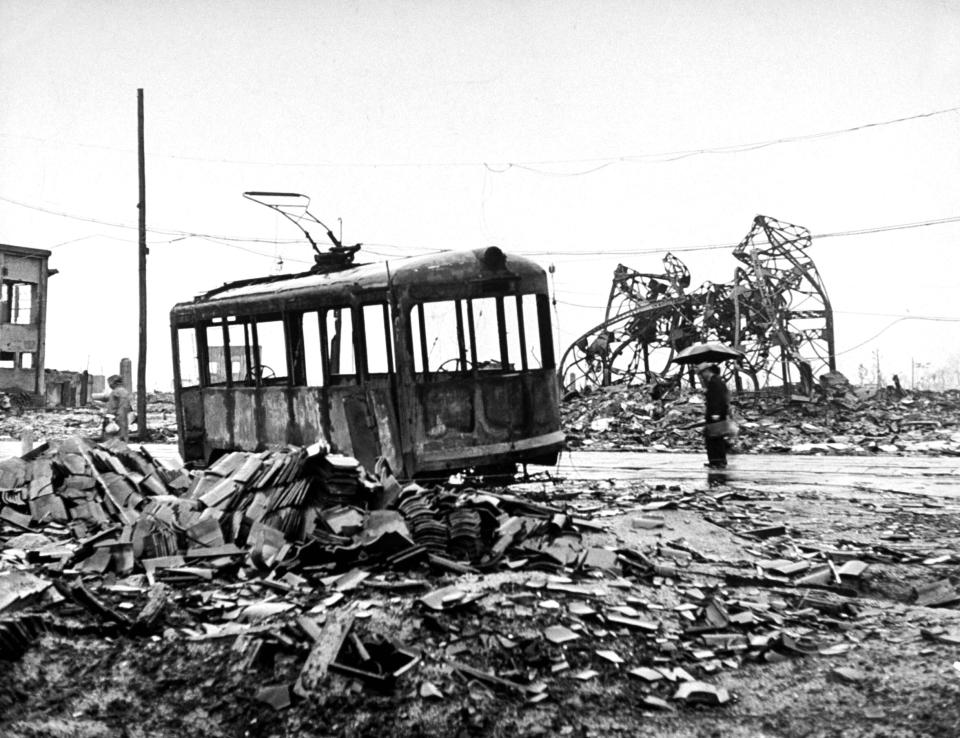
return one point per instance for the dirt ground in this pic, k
(895, 668)
(857, 656)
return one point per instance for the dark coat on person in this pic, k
(717, 398)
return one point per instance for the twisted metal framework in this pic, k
(775, 310)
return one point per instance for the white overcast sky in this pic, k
(542, 127)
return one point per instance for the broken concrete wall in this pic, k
(71, 389)
(23, 287)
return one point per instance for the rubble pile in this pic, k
(63, 422)
(75, 488)
(109, 509)
(837, 421)
(302, 552)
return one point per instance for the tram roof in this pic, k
(440, 274)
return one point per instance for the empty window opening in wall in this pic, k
(18, 302)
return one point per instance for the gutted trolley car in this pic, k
(436, 364)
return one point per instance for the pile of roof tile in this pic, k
(108, 508)
(76, 489)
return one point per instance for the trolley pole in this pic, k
(142, 205)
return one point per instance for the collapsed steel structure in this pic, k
(775, 310)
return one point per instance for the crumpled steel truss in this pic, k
(776, 310)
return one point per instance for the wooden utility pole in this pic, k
(142, 360)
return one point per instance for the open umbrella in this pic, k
(707, 353)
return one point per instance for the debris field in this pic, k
(839, 421)
(307, 584)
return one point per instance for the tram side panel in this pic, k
(363, 425)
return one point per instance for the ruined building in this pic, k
(23, 301)
(775, 310)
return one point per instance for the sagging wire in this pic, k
(655, 157)
(893, 323)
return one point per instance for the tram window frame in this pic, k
(188, 357)
(216, 331)
(334, 354)
(495, 349)
(536, 333)
(307, 349)
(522, 330)
(420, 316)
(237, 338)
(252, 350)
(376, 324)
(278, 356)
(548, 359)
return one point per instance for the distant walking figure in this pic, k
(717, 409)
(119, 406)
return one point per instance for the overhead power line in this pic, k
(594, 163)
(161, 231)
(728, 149)
(898, 316)
(714, 246)
(181, 234)
(903, 316)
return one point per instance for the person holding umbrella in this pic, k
(716, 414)
(717, 423)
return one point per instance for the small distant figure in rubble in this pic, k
(118, 408)
(661, 390)
(6, 407)
(717, 410)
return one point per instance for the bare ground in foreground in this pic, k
(894, 668)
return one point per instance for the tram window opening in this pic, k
(491, 352)
(378, 339)
(189, 357)
(514, 335)
(438, 333)
(532, 337)
(312, 350)
(216, 356)
(418, 339)
(510, 333)
(240, 353)
(340, 351)
(545, 335)
(270, 362)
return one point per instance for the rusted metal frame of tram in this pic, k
(423, 418)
